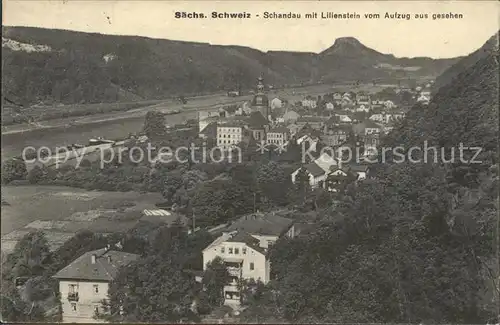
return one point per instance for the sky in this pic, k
(441, 38)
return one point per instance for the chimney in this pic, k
(109, 258)
(92, 258)
(108, 247)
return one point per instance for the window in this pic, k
(244, 251)
(73, 306)
(270, 243)
(236, 250)
(252, 266)
(222, 249)
(230, 250)
(96, 309)
(72, 288)
(96, 288)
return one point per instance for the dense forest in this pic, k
(416, 242)
(73, 67)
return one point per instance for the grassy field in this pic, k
(27, 204)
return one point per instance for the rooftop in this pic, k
(313, 119)
(314, 169)
(371, 124)
(257, 120)
(104, 267)
(280, 129)
(261, 224)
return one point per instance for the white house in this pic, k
(309, 103)
(230, 134)
(318, 170)
(329, 106)
(363, 108)
(243, 247)
(360, 170)
(278, 136)
(84, 283)
(423, 99)
(276, 103)
(381, 118)
(290, 116)
(316, 175)
(363, 99)
(207, 117)
(389, 104)
(343, 117)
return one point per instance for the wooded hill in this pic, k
(60, 66)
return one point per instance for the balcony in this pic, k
(232, 286)
(73, 296)
(234, 271)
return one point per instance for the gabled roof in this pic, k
(279, 129)
(291, 114)
(314, 169)
(325, 161)
(103, 269)
(371, 124)
(257, 120)
(312, 119)
(359, 168)
(246, 238)
(342, 112)
(210, 129)
(261, 224)
(230, 108)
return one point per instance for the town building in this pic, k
(335, 134)
(318, 170)
(362, 108)
(244, 248)
(278, 136)
(371, 143)
(344, 116)
(207, 117)
(367, 127)
(339, 177)
(230, 134)
(363, 99)
(258, 126)
(315, 122)
(260, 102)
(276, 103)
(84, 283)
(290, 117)
(309, 102)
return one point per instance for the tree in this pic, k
(154, 125)
(13, 169)
(302, 182)
(218, 200)
(30, 256)
(273, 183)
(152, 289)
(35, 175)
(215, 277)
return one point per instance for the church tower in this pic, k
(260, 102)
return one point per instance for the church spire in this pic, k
(260, 85)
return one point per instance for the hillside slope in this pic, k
(467, 62)
(415, 243)
(58, 66)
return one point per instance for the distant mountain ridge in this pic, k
(60, 66)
